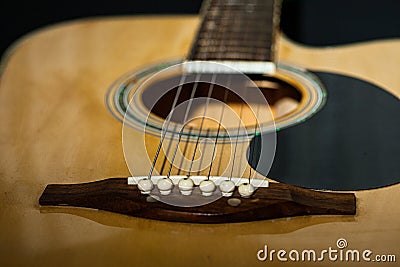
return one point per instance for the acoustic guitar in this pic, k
(245, 105)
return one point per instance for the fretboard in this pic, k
(236, 30)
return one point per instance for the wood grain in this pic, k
(277, 201)
(55, 129)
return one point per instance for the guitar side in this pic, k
(57, 129)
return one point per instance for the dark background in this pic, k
(313, 22)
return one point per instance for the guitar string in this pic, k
(225, 98)
(194, 89)
(242, 147)
(219, 34)
(198, 137)
(255, 14)
(237, 140)
(201, 125)
(256, 125)
(210, 91)
(164, 132)
(242, 153)
(226, 35)
(184, 151)
(165, 158)
(222, 34)
(219, 129)
(202, 158)
(255, 129)
(246, 33)
(181, 132)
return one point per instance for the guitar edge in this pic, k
(57, 129)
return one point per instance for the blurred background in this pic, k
(312, 22)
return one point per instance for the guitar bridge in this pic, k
(275, 201)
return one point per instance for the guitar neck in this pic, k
(236, 30)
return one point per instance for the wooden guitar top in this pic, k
(56, 129)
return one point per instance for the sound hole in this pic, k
(282, 97)
(293, 96)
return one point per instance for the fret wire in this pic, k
(234, 48)
(236, 42)
(260, 10)
(259, 13)
(245, 42)
(231, 53)
(265, 6)
(233, 16)
(237, 22)
(229, 49)
(250, 52)
(223, 17)
(231, 44)
(236, 56)
(220, 122)
(224, 5)
(257, 32)
(235, 37)
(247, 25)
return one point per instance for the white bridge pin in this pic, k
(227, 188)
(145, 186)
(186, 186)
(246, 190)
(165, 186)
(207, 187)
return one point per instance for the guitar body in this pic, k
(56, 128)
